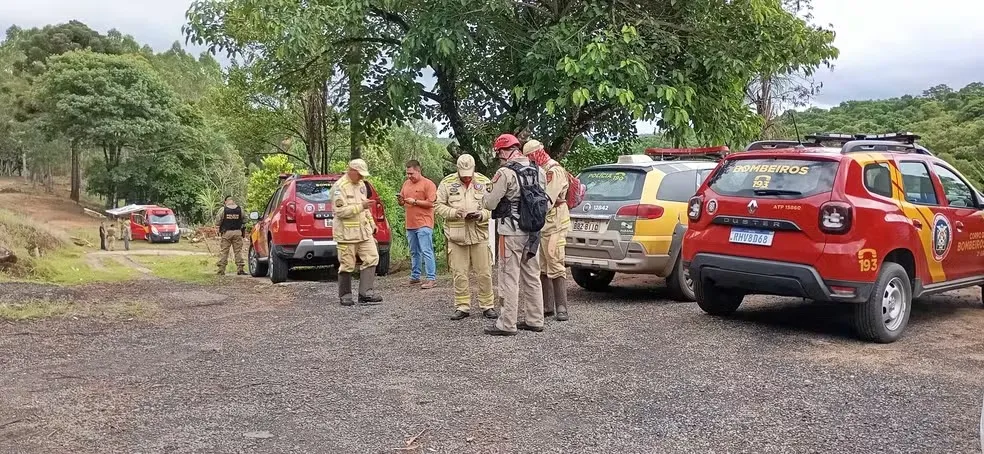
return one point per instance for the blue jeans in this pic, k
(422, 247)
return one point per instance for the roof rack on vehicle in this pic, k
(778, 144)
(905, 137)
(675, 154)
(284, 176)
(867, 146)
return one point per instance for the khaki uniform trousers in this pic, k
(232, 239)
(466, 259)
(111, 241)
(519, 285)
(348, 252)
(552, 254)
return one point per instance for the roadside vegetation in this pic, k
(38, 310)
(310, 87)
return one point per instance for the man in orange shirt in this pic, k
(418, 196)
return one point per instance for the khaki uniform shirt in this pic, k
(352, 223)
(559, 217)
(505, 187)
(452, 195)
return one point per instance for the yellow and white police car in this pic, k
(634, 216)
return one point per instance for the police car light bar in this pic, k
(678, 153)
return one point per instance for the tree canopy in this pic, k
(559, 71)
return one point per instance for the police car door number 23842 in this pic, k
(751, 236)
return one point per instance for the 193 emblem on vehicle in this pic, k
(942, 237)
(752, 207)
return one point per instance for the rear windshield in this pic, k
(612, 184)
(314, 191)
(779, 178)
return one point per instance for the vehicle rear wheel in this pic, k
(679, 282)
(383, 267)
(278, 267)
(715, 300)
(256, 268)
(884, 316)
(592, 280)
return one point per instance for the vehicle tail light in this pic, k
(640, 211)
(290, 212)
(694, 207)
(835, 217)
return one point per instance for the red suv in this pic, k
(295, 229)
(874, 222)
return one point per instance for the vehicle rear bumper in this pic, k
(767, 277)
(321, 251)
(633, 263)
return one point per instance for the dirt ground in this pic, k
(55, 210)
(243, 365)
(247, 366)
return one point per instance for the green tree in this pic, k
(115, 103)
(589, 68)
(37, 46)
(264, 180)
(945, 118)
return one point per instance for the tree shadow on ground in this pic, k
(836, 319)
(630, 289)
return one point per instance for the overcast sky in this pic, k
(888, 47)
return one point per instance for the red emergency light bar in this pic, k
(662, 154)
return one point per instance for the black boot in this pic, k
(345, 289)
(366, 280)
(560, 297)
(548, 295)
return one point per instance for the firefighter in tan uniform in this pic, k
(466, 226)
(553, 237)
(519, 275)
(111, 236)
(353, 230)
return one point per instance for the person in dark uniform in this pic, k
(232, 231)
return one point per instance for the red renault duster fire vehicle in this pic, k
(874, 222)
(296, 228)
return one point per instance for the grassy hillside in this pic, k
(951, 122)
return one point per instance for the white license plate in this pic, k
(586, 226)
(751, 236)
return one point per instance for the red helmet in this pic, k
(505, 141)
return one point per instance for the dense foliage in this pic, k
(951, 122)
(561, 71)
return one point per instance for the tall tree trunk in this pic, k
(23, 169)
(353, 65)
(314, 117)
(76, 172)
(325, 155)
(764, 105)
(447, 100)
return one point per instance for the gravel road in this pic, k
(246, 366)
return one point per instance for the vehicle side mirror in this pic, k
(254, 215)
